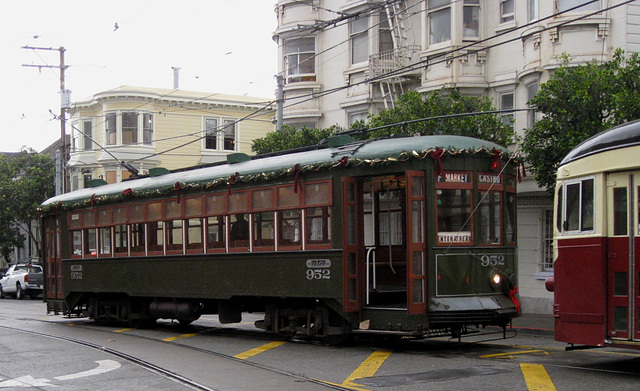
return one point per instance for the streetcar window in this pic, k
(105, 241)
(263, 229)
(172, 209)
(559, 209)
(289, 233)
(194, 234)
(390, 217)
(318, 193)
(156, 236)
(76, 243)
(136, 213)
(104, 217)
(120, 215)
(454, 215)
(214, 204)
(578, 205)
(75, 221)
(238, 202)
(287, 197)
(620, 222)
(174, 235)
(215, 232)
(239, 233)
(137, 238)
(262, 199)
(154, 211)
(318, 225)
(587, 205)
(490, 218)
(193, 207)
(90, 246)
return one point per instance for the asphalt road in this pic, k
(239, 357)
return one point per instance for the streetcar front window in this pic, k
(490, 218)
(577, 203)
(454, 216)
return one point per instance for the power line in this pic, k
(447, 55)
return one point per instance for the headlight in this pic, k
(496, 279)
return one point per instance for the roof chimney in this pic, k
(176, 78)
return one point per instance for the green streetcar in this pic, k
(410, 236)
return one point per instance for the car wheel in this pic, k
(19, 292)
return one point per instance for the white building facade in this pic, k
(342, 60)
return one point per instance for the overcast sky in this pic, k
(221, 46)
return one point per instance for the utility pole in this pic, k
(280, 101)
(64, 97)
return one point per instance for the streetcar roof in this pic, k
(622, 136)
(362, 150)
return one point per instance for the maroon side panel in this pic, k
(580, 291)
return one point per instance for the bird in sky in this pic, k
(115, 26)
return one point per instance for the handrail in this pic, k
(371, 256)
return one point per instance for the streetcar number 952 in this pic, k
(492, 260)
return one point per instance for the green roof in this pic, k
(327, 158)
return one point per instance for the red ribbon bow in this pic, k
(296, 178)
(437, 156)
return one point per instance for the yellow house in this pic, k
(129, 129)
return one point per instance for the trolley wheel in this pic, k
(19, 292)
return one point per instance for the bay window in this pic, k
(299, 59)
(471, 19)
(128, 128)
(439, 19)
(359, 40)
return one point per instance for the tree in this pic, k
(579, 102)
(414, 105)
(289, 138)
(26, 180)
(411, 106)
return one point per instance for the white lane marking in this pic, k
(103, 367)
(26, 381)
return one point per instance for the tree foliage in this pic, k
(26, 180)
(579, 102)
(289, 138)
(410, 106)
(414, 105)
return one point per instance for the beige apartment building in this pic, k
(342, 60)
(147, 128)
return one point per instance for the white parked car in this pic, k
(22, 280)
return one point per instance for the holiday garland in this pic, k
(180, 188)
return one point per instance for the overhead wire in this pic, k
(448, 55)
(407, 68)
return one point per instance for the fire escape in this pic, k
(388, 69)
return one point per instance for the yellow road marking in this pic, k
(368, 368)
(121, 330)
(258, 350)
(511, 354)
(536, 377)
(179, 337)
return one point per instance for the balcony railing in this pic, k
(383, 63)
